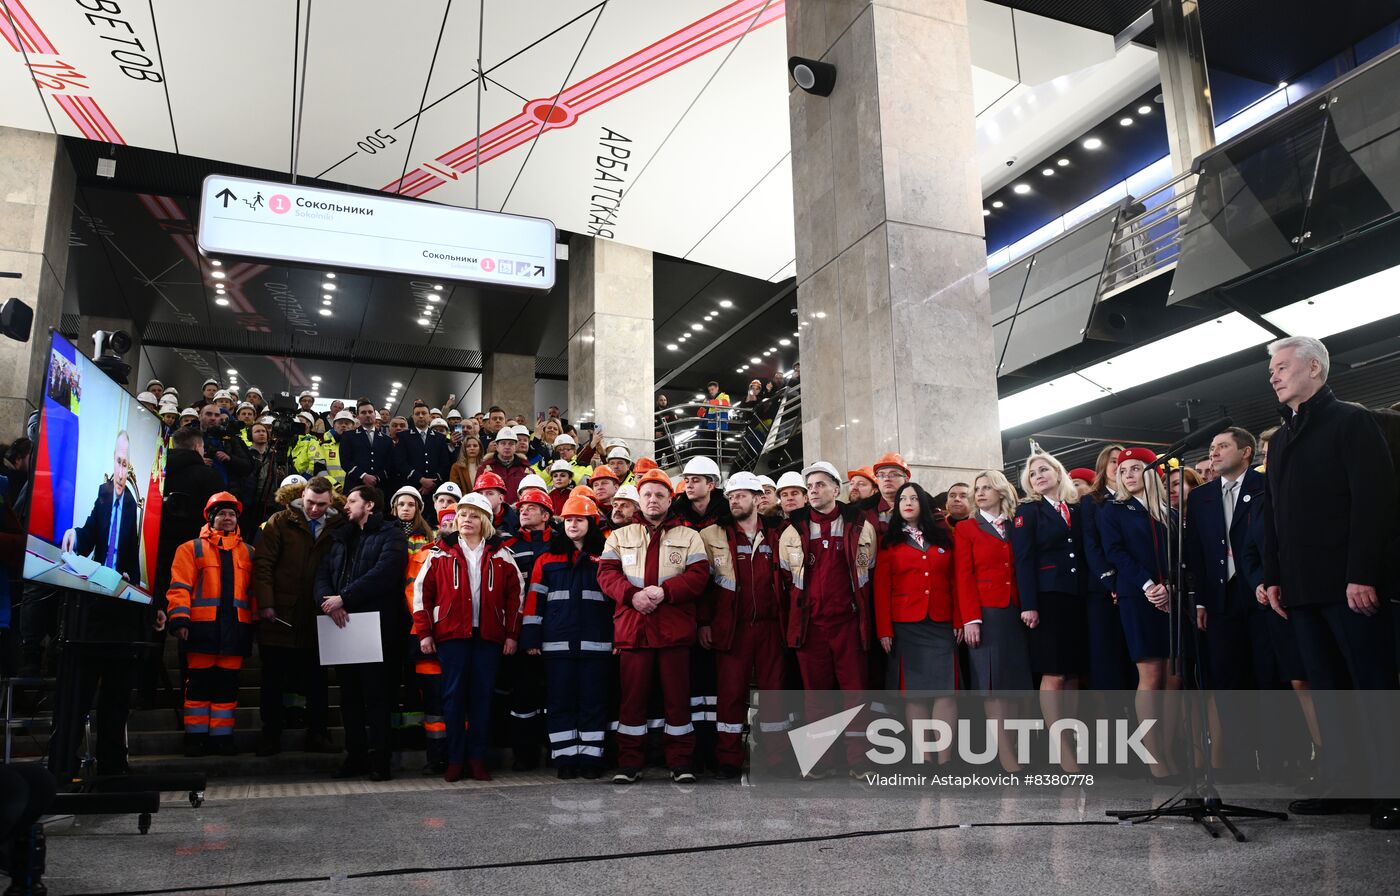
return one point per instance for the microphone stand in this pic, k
(1201, 803)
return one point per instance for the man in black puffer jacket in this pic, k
(363, 573)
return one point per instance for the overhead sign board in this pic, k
(305, 225)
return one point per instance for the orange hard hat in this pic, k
(605, 472)
(655, 476)
(488, 480)
(867, 472)
(891, 459)
(579, 505)
(220, 498)
(583, 491)
(678, 489)
(644, 465)
(534, 496)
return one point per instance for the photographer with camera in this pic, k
(225, 453)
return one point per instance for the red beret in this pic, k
(1083, 473)
(1146, 455)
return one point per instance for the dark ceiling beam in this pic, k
(721, 338)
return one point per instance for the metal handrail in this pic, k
(683, 434)
(1131, 262)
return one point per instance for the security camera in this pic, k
(1010, 162)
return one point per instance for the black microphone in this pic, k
(1201, 436)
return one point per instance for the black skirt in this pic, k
(1059, 643)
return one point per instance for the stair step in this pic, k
(248, 695)
(246, 765)
(172, 741)
(167, 720)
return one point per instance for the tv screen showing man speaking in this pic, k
(99, 469)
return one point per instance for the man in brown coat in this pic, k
(292, 544)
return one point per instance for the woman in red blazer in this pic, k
(988, 607)
(914, 605)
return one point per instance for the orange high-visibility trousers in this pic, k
(211, 693)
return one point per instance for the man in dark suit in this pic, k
(1218, 518)
(367, 453)
(111, 535)
(1328, 512)
(422, 457)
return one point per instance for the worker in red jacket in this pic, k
(745, 613)
(466, 610)
(654, 570)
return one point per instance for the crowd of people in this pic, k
(566, 599)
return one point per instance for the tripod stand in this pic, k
(1202, 804)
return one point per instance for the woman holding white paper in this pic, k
(466, 609)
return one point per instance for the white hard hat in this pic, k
(561, 466)
(251, 389)
(565, 439)
(627, 492)
(743, 481)
(244, 404)
(822, 466)
(189, 412)
(305, 393)
(294, 479)
(154, 382)
(766, 482)
(307, 416)
(792, 479)
(701, 466)
(147, 398)
(622, 452)
(454, 414)
(533, 480)
(223, 393)
(209, 382)
(168, 407)
(407, 490)
(505, 434)
(435, 412)
(265, 420)
(437, 421)
(344, 415)
(614, 441)
(477, 501)
(449, 488)
(521, 431)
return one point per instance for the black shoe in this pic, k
(627, 776)
(196, 745)
(379, 766)
(269, 745)
(1385, 815)
(320, 742)
(591, 773)
(682, 776)
(1321, 806)
(434, 769)
(568, 772)
(728, 772)
(353, 767)
(223, 745)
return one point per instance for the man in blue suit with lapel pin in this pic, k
(366, 453)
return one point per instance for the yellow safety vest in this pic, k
(329, 451)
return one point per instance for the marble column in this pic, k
(612, 366)
(895, 320)
(36, 210)
(508, 382)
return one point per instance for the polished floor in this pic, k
(528, 833)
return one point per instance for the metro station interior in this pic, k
(968, 233)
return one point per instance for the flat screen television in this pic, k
(99, 470)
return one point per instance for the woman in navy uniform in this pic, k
(1047, 544)
(1109, 666)
(1136, 532)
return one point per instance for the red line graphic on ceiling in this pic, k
(666, 55)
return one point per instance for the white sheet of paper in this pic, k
(358, 642)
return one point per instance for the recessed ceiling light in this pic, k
(697, 327)
(672, 347)
(328, 286)
(423, 321)
(216, 263)
(315, 379)
(325, 312)
(986, 212)
(725, 303)
(1047, 171)
(330, 276)
(998, 204)
(397, 385)
(1282, 85)
(1092, 143)
(437, 287)
(740, 369)
(700, 398)
(221, 301)
(796, 334)
(755, 360)
(1125, 121)
(1021, 189)
(821, 314)
(1063, 163)
(232, 372)
(1144, 110)
(767, 352)
(327, 296)
(218, 275)
(326, 301)
(785, 342)
(434, 299)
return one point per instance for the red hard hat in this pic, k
(488, 479)
(219, 498)
(529, 496)
(579, 505)
(655, 476)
